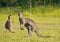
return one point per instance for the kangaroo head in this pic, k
(9, 16)
(20, 14)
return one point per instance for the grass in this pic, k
(47, 24)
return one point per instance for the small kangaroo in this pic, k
(8, 24)
(28, 23)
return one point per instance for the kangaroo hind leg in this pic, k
(37, 32)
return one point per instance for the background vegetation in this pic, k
(41, 7)
(26, 2)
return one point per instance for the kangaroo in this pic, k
(8, 24)
(28, 23)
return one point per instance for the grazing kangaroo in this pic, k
(28, 23)
(8, 24)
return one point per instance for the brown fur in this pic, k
(28, 23)
(8, 24)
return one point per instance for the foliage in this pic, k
(27, 2)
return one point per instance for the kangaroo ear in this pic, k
(18, 13)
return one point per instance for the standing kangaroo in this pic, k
(8, 24)
(28, 23)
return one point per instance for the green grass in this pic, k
(47, 24)
(42, 11)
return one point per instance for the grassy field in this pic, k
(47, 24)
